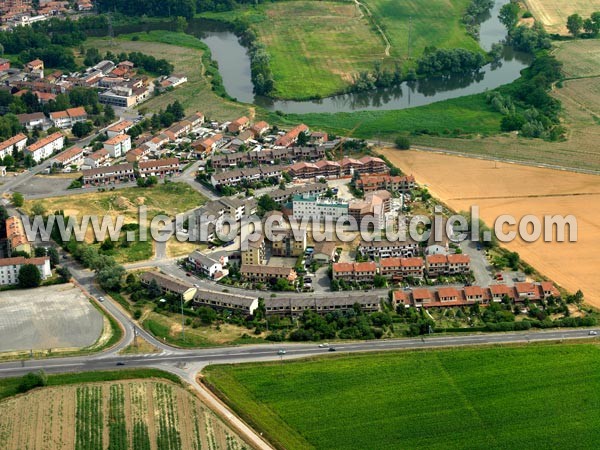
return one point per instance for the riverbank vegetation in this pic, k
(454, 396)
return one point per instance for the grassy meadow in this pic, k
(168, 199)
(316, 48)
(437, 23)
(469, 114)
(537, 396)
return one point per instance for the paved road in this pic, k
(184, 359)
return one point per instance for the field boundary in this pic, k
(421, 148)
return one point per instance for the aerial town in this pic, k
(186, 264)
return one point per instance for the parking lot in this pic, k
(45, 318)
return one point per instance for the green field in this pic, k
(436, 22)
(470, 114)
(316, 48)
(539, 396)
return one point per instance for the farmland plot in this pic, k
(139, 415)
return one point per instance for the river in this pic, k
(234, 66)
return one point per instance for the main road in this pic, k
(267, 352)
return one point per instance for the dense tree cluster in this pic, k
(379, 78)
(261, 74)
(448, 61)
(472, 17)
(522, 37)
(157, 8)
(526, 104)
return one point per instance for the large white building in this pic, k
(17, 142)
(44, 148)
(317, 208)
(10, 267)
(118, 145)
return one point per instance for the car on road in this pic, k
(281, 352)
(323, 345)
(479, 247)
(120, 363)
(187, 274)
(593, 333)
(331, 349)
(101, 299)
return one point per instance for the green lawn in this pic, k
(435, 22)
(539, 396)
(470, 114)
(316, 48)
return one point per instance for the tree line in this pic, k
(590, 26)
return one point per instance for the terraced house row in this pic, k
(398, 269)
(470, 295)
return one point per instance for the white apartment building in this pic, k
(16, 142)
(118, 145)
(10, 267)
(44, 148)
(317, 208)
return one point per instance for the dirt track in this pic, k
(500, 188)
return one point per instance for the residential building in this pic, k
(96, 159)
(225, 301)
(160, 167)
(255, 252)
(386, 249)
(169, 285)
(259, 128)
(363, 272)
(119, 128)
(10, 267)
(118, 145)
(291, 137)
(33, 120)
(305, 206)
(459, 264)
(288, 244)
(250, 174)
(15, 143)
(208, 266)
(44, 148)
(238, 125)
(121, 173)
(285, 195)
(266, 274)
(207, 145)
(295, 306)
(68, 117)
(15, 236)
(402, 184)
(71, 157)
(398, 269)
(324, 252)
(440, 264)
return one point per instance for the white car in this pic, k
(101, 299)
(323, 345)
(593, 333)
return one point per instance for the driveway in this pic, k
(479, 264)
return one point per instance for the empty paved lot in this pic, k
(47, 318)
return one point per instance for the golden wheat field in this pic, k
(499, 188)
